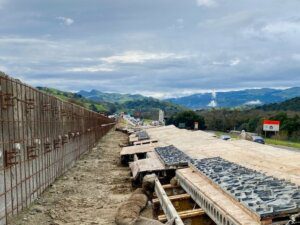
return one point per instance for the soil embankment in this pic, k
(88, 194)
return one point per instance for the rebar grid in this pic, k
(41, 137)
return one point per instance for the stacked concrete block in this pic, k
(172, 156)
(264, 195)
(142, 135)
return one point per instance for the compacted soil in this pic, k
(89, 193)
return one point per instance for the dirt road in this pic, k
(89, 193)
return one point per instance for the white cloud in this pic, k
(21, 40)
(275, 30)
(206, 3)
(234, 62)
(140, 57)
(65, 20)
(282, 27)
(179, 24)
(4, 69)
(2, 2)
(92, 69)
(296, 57)
(254, 102)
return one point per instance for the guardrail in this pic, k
(41, 137)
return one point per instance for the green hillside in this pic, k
(103, 107)
(150, 106)
(289, 105)
(100, 96)
(242, 98)
(251, 120)
(145, 106)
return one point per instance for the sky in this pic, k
(160, 48)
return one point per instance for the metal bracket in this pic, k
(32, 152)
(7, 100)
(10, 158)
(57, 143)
(29, 104)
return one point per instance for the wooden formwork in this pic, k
(173, 202)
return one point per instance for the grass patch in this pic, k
(283, 143)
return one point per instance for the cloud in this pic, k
(140, 57)
(92, 69)
(286, 29)
(282, 27)
(179, 24)
(65, 20)
(232, 62)
(206, 3)
(254, 102)
(2, 3)
(7, 40)
(235, 62)
(125, 49)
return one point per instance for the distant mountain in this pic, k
(288, 105)
(133, 103)
(102, 107)
(248, 97)
(149, 106)
(96, 95)
(111, 103)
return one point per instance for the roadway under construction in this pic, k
(233, 182)
(199, 179)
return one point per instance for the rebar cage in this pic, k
(41, 137)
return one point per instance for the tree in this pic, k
(93, 108)
(187, 117)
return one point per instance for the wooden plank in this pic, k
(170, 186)
(145, 165)
(184, 214)
(174, 198)
(145, 142)
(131, 150)
(166, 204)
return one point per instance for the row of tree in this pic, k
(249, 120)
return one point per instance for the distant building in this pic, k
(161, 117)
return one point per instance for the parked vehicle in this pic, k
(225, 137)
(258, 139)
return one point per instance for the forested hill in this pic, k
(232, 99)
(100, 96)
(117, 102)
(289, 105)
(103, 107)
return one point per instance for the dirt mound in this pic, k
(146, 221)
(130, 210)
